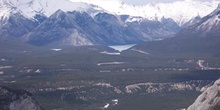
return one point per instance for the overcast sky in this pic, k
(142, 2)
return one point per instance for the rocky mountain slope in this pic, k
(15, 25)
(75, 28)
(209, 99)
(17, 100)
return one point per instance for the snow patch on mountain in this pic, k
(134, 19)
(77, 39)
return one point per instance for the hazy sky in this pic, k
(142, 2)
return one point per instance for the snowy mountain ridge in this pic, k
(30, 8)
(212, 23)
(180, 11)
(208, 26)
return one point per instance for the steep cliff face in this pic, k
(17, 100)
(209, 99)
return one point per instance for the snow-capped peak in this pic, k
(180, 11)
(134, 19)
(207, 26)
(215, 11)
(47, 7)
(110, 5)
(210, 22)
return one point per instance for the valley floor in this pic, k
(72, 79)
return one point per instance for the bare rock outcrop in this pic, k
(209, 99)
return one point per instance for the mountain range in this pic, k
(199, 38)
(45, 22)
(180, 11)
